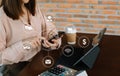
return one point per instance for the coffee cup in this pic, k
(71, 34)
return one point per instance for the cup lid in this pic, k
(70, 29)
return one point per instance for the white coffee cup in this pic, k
(71, 34)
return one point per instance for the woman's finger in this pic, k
(38, 41)
(45, 44)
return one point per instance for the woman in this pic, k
(22, 27)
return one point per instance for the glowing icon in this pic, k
(84, 41)
(50, 18)
(48, 61)
(68, 50)
(29, 28)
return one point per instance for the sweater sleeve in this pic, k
(11, 54)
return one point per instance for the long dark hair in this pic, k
(13, 8)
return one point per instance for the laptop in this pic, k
(80, 61)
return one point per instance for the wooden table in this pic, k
(107, 64)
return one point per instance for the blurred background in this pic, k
(89, 16)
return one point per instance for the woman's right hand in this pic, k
(34, 42)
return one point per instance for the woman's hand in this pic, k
(34, 42)
(55, 43)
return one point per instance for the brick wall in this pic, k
(88, 16)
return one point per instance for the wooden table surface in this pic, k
(107, 64)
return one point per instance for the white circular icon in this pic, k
(48, 61)
(84, 41)
(50, 18)
(68, 50)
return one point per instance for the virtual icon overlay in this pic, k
(84, 41)
(68, 50)
(50, 18)
(48, 61)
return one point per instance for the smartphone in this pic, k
(57, 36)
(50, 40)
